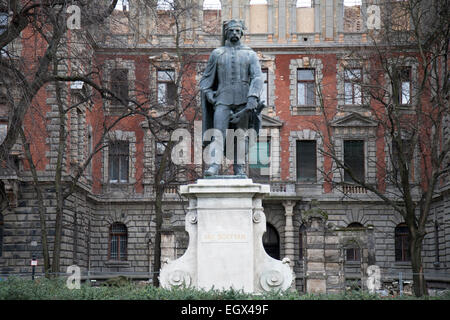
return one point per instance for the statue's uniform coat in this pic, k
(233, 74)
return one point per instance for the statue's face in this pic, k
(234, 34)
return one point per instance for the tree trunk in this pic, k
(157, 248)
(41, 207)
(419, 283)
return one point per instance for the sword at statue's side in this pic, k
(235, 117)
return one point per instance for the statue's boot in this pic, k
(239, 170)
(213, 170)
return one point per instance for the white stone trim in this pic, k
(119, 135)
(304, 62)
(120, 63)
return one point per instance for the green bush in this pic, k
(121, 289)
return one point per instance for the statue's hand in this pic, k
(252, 103)
(235, 117)
(210, 97)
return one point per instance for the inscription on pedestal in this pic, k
(224, 237)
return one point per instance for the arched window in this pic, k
(1, 234)
(353, 252)
(118, 239)
(402, 243)
(301, 241)
(271, 242)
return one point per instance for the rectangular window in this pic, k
(265, 90)
(354, 159)
(118, 161)
(306, 87)
(352, 86)
(306, 161)
(259, 158)
(119, 84)
(353, 254)
(166, 87)
(404, 75)
(402, 243)
(169, 172)
(407, 149)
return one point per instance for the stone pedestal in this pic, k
(226, 222)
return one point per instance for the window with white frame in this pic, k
(306, 87)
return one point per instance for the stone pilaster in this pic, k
(289, 231)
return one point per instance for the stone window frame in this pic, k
(412, 63)
(343, 64)
(110, 235)
(164, 61)
(370, 149)
(120, 63)
(294, 65)
(116, 216)
(388, 163)
(150, 158)
(305, 134)
(268, 62)
(119, 135)
(403, 236)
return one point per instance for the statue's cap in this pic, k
(233, 23)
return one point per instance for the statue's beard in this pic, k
(234, 39)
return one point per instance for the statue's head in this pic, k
(233, 30)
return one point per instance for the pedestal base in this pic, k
(226, 222)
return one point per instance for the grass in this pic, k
(44, 289)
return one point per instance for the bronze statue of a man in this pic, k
(231, 86)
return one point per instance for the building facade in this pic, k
(109, 219)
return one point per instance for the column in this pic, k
(289, 231)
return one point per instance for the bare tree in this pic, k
(406, 96)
